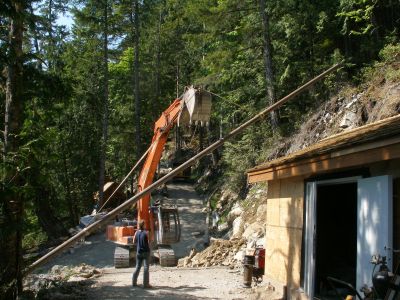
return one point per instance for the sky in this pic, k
(65, 19)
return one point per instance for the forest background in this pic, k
(78, 102)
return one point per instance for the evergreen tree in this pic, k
(11, 206)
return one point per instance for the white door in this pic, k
(374, 224)
(310, 219)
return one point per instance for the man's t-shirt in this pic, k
(142, 241)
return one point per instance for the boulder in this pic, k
(349, 120)
(237, 227)
(253, 231)
(235, 212)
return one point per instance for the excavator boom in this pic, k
(161, 131)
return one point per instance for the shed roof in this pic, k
(385, 130)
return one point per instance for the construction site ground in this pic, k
(167, 283)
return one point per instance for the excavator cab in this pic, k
(165, 224)
(167, 228)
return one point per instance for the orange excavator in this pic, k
(162, 219)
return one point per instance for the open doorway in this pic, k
(336, 234)
(347, 220)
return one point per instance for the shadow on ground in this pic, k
(108, 291)
(94, 251)
(192, 218)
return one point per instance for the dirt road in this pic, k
(192, 219)
(168, 283)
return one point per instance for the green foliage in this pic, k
(388, 66)
(214, 201)
(358, 16)
(390, 54)
(34, 235)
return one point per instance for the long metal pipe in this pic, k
(174, 172)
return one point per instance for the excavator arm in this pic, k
(161, 131)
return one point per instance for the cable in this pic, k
(226, 99)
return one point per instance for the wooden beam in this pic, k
(330, 162)
(368, 146)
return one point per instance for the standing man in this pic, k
(141, 239)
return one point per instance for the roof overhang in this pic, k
(371, 143)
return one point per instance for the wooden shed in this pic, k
(331, 207)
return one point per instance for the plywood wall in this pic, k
(284, 231)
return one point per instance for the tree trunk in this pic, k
(178, 143)
(269, 77)
(136, 39)
(177, 79)
(46, 216)
(73, 211)
(105, 107)
(11, 207)
(201, 138)
(50, 55)
(158, 61)
(33, 27)
(215, 154)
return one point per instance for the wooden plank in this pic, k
(369, 146)
(326, 163)
(273, 203)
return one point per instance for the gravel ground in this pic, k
(170, 283)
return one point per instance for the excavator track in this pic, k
(124, 256)
(166, 256)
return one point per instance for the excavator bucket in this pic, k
(196, 108)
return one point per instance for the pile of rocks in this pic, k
(73, 273)
(220, 252)
(61, 282)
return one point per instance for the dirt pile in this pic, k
(219, 253)
(61, 282)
